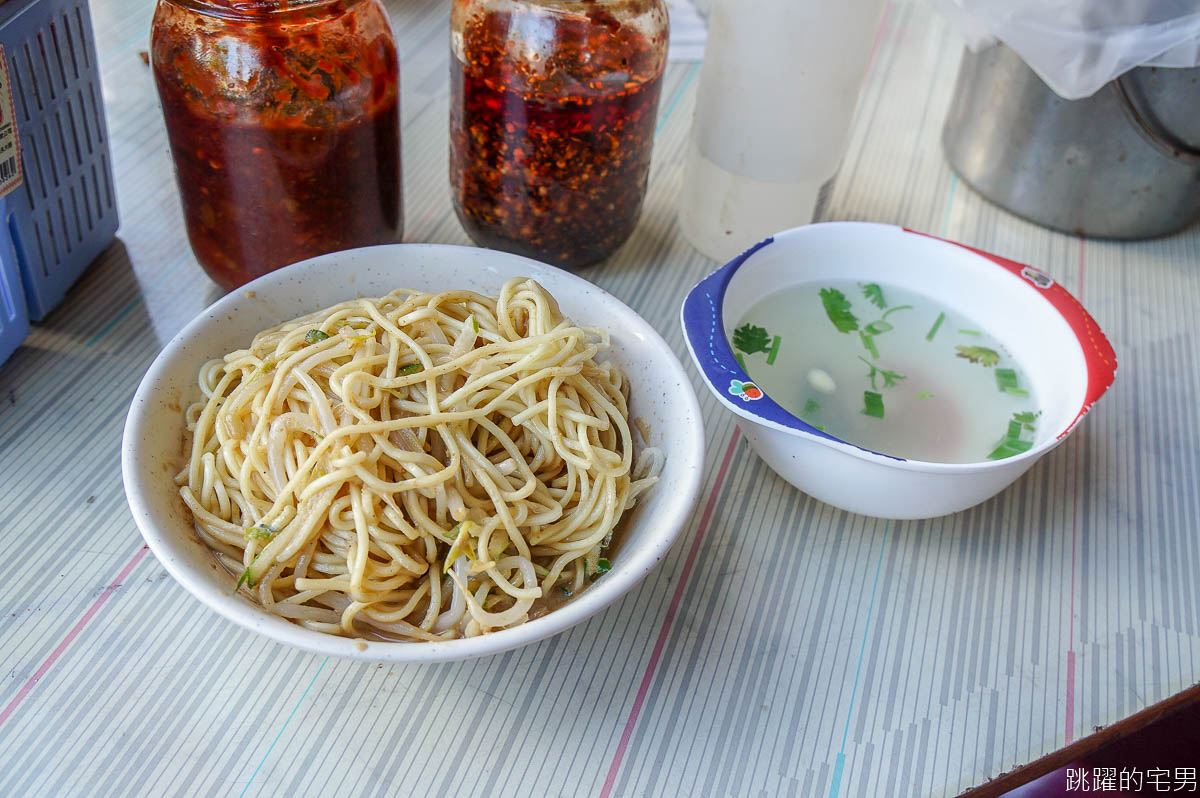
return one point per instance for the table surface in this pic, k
(858, 657)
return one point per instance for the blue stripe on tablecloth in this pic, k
(283, 728)
(840, 763)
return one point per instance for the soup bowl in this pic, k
(1063, 353)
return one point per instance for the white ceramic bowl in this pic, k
(151, 453)
(1063, 352)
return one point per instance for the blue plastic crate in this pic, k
(14, 321)
(65, 213)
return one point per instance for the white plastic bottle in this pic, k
(778, 87)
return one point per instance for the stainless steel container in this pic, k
(1123, 163)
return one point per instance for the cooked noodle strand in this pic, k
(417, 466)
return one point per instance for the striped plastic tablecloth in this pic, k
(784, 648)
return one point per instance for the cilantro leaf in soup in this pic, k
(874, 295)
(751, 339)
(889, 377)
(837, 308)
(979, 354)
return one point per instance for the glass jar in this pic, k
(552, 115)
(284, 124)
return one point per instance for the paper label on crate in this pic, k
(10, 142)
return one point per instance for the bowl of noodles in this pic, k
(413, 453)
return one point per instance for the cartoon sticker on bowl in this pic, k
(1037, 277)
(748, 391)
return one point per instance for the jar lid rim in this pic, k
(259, 10)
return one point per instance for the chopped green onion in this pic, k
(1012, 443)
(461, 545)
(567, 591)
(774, 350)
(933, 330)
(411, 368)
(246, 579)
(898, 307)
(872, 404)
(1010, 448)
(474, 322)
(603, 566)
(924, 395)
(1006, 381)
(811, 406)
(262, 532)
(313, 336)
(878, 327)
(969, 332)
(869, 343)
(268, 366)
(741, 362)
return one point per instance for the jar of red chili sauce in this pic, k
(552, 115)
(283, 118)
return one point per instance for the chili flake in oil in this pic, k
(552, 125)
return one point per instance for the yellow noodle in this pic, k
(348, 469)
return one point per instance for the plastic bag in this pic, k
(1076, 46)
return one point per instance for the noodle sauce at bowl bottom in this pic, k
(154, 448)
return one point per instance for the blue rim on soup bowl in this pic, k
(1069, 361)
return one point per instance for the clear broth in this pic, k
(890, 370)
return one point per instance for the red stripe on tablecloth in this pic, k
(661, 642)
(71, 635)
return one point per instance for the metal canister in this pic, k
(1123, 163)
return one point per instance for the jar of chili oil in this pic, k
(284, 124)
(552, 116)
